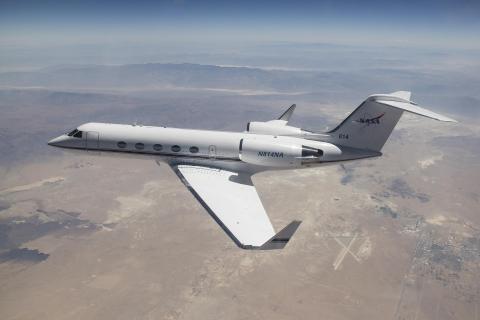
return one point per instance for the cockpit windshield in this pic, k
(75, 133)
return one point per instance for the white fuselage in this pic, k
(217, 166)
(243, 151)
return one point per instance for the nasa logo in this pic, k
(369, 121)
(270, 154)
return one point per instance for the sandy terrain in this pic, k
(86, 237)
(381, 239)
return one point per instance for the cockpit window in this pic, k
(75, 133)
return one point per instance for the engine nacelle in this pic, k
(270, 152)
(286, 152)
(273, 128)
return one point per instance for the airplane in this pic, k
(217, 166)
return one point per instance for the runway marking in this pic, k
(348, 248)
(343, 252)
(410, 273)
(437, 311)
(419, 302)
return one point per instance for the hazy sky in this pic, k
(431, 22)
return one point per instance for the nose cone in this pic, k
(58, 141)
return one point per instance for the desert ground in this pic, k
(87, 236)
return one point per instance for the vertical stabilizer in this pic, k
(370, 125)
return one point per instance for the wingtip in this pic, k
(445, 119)
(280, 240)
(451, 120)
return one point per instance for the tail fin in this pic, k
(370, 125)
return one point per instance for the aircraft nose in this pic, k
(56, 142)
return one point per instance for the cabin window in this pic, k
(157, 147)
(139, 146)
(176, 148)
(122, 144)
(194, 149)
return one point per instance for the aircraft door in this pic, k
(212, 151)
(92, 140)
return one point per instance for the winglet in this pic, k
(288, 113)
(280, 240)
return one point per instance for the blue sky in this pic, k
(444, 23)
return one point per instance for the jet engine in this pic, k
(273, 128)
(276, 152)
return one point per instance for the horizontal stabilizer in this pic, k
(401, 100)
(406, 95)
(280, 240)
(410, 107)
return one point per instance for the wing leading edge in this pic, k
(288, 113)
(284, 118)
(232, 200)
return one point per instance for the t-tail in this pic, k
(369, 126)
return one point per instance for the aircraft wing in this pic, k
(285, 117)
(232, 200)
(288, 113)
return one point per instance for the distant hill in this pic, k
(185, 75)
(148, 75)
(433, 87)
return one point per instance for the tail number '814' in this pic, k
(343, 136)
